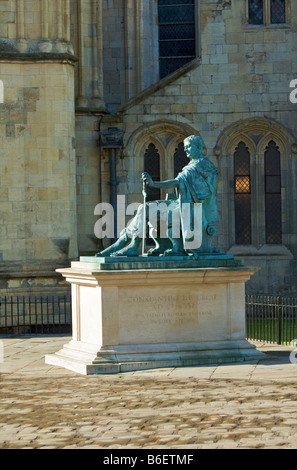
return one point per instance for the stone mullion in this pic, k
(266, 12)
(228, 200)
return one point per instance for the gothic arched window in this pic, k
(242, 195)
(152, 167)
(271, 196)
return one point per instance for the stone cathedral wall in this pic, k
(72, 69)
(37, 164)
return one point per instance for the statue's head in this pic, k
(193, 146)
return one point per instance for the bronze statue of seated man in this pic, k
(195, 184)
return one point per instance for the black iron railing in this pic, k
(268, 318)
(271, 318)
(35, 315)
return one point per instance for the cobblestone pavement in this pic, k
(247, 405)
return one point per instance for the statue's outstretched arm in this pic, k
(159, 184)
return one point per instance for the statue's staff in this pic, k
(144, 215)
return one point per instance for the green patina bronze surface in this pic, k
(196, 183)
(158, 262)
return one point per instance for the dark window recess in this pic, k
(180, 159)
(273, 210)
(277, 11)
(173, 31)
(181, 49)
(169, 65)
(242, 195)
(177, 37)
(152, 167)
(256, 12)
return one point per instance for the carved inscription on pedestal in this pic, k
(165, 309)
(173, 315)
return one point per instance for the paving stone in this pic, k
(173, 409)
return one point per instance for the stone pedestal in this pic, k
(131, 319)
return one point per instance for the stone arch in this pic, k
(254, 129)
(284, 148)
(165, 135)
(163, 130)
(256, 133)
(248, 142)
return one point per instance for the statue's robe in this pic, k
(197, 184)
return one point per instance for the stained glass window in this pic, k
(277, 11)
(273, 218)
(242, 195)
(256, 12)
(152, 167)
(177, 43)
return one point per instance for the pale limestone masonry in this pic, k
(74, 68)
(37, 165)
(149, 318)
(237, 90)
